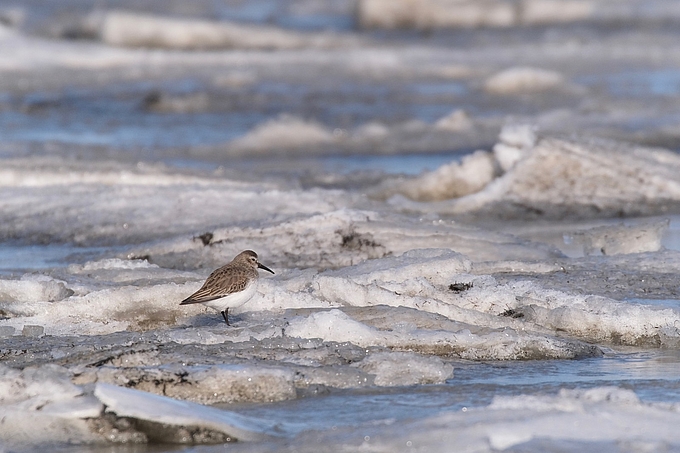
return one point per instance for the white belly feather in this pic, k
(234, 299)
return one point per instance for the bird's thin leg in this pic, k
(225, 315)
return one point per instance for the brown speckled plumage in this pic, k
(228, 280)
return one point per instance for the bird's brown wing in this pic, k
(222, 282)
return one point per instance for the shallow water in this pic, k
(18, 259)
(651, 374)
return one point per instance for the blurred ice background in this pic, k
(471, 207)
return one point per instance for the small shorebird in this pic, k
(232, 285)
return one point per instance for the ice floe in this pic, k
(564, 176)
(179, 414)
(42, 406)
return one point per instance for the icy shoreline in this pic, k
(520, 297)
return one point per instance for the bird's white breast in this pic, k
(234, 299)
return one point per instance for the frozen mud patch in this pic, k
(204, 384)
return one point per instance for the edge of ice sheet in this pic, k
(136, 404)
(41, 406)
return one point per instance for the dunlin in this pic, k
(232, 285)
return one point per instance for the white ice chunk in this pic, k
(237, 334)
(523, 80)
(458, 120)
(108, 310)
(373, 130)
(436, 265)
(33, 288)
(521, 136)
(405, 368)
(559, 177)
(85, 406)
(137, 30)
(159, 409)
(283, 132)
(515, 142)
(83, 209)
(40, 405)
(567, 400)
(452, 180)
(597, 319)
(34, 387)
(341, 238)
(556, 11)
(622, 239)
(334, 325)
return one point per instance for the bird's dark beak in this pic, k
(262, 266)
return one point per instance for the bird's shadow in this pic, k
(216, 320)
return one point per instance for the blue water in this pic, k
(408, 164)
(652, 374)
(636, 83)
(17, 259)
